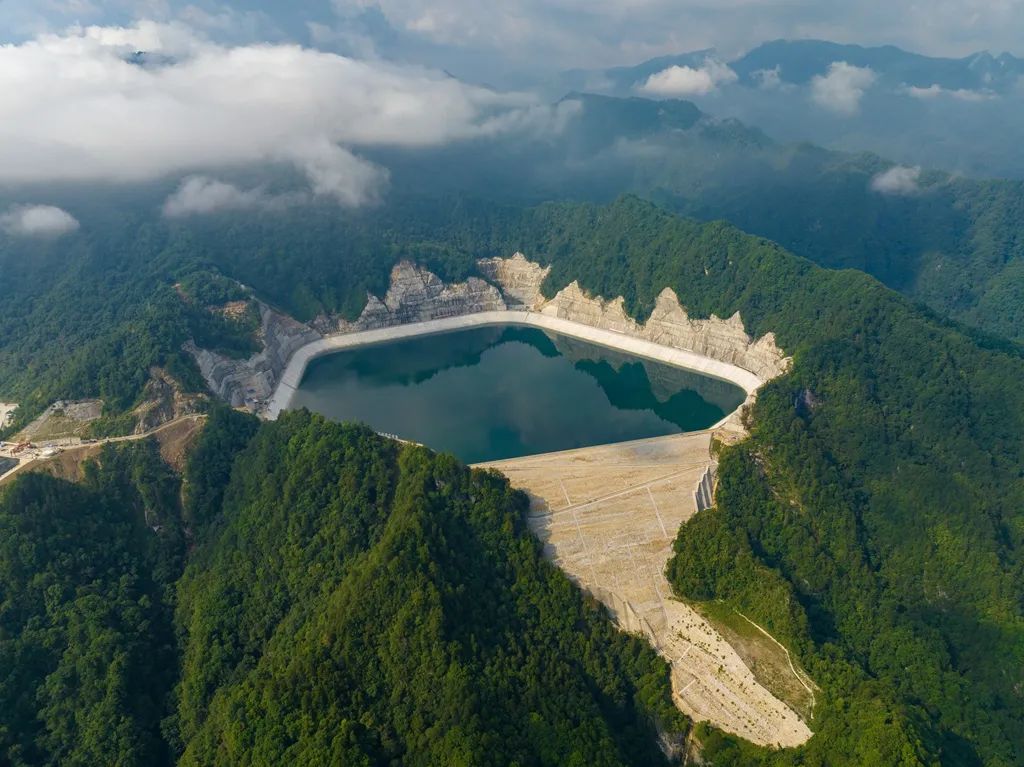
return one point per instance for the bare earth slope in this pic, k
(608, 516)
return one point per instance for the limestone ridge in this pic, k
(417, 295)
(669, 324)
(519, 279)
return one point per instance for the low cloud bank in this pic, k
(37, 221)
(841, 88)
(199, 195)
(83, 106)
(936, 91)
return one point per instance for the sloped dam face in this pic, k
(503, 392)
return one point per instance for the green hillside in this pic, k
(875, 518)
(873, 523)
(347, 601)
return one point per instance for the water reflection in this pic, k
(493, 393)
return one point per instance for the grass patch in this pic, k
(769, 661)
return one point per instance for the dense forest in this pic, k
(87, 642)
(874, 519)
(872, 522)
(347, 600)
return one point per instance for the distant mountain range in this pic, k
(796, 62)
(962, 115)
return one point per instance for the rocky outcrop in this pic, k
(250, 381)
(518, 278)
(163, 400)
(704, 495)
(417, 295)
(670, 325)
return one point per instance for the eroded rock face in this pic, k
(417, 295)
(669, 324)
(248, 382)
(162, 401)
(519, 279)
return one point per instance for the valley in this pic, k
(608, 514)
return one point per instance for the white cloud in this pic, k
(687, 81)
(842, 87)
(935, 91)
(897, 180)
(198, 195)
(37, 221)
(335, 171)
(75, 109)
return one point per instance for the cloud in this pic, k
(935, 91)
(842, 87)
(768, 79)
(687, 81)
(466, 36)
(76, 107)
(37, 221)
(897, 180)
(199, 195)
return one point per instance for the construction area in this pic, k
(63, 420)
(65, 459)
(607, 516)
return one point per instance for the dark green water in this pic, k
(493, 393)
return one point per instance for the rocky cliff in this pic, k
(248, 382)
(669, 324)
(519, 279)
(416, 295)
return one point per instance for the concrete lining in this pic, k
(680, 358)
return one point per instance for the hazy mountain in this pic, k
(962, 115)
(798, 61)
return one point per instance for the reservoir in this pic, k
(503, 392)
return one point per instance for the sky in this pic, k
(311, 85)
(495, 39)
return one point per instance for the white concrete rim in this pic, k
(290, 379)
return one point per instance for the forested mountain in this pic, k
(87, 645)
(800, 60)
(90, 314)
(348, 601)
(881, 491)
(872, 523)
(951, 242)
(69, 307)
(796, 62)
